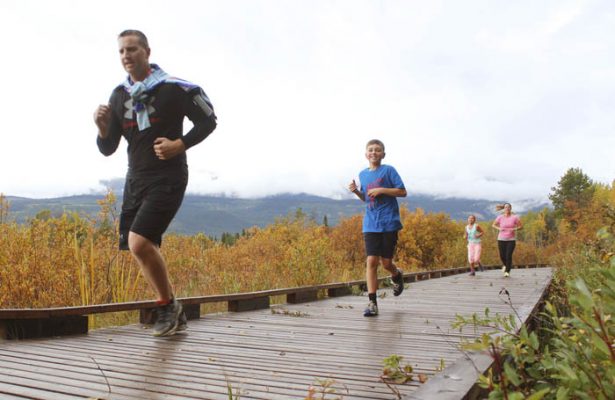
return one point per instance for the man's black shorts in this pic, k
(149, 205)
(380, 244)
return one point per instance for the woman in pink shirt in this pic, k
(507, 224)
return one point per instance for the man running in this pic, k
(148, 109)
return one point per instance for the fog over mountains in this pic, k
(214, 215)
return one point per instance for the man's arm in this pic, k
(198, 108)
(109, 129)
(200, 111)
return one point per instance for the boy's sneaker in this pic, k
(371, 310)
(168, 319)
(398, 282)
(506, 274)
(182, 323)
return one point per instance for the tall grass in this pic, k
(74, 260)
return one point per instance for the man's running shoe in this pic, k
(168, 319)
(371, 310)
(398, 282)
(182, 323)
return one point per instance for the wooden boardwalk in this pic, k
(265, 355)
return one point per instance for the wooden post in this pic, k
(44, 327)
(192, 311)
(340, 291)
(255, 303)
(302, 297)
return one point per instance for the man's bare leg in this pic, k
(152, 264)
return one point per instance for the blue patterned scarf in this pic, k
(140, 92)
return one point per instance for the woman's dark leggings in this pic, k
(506, 248)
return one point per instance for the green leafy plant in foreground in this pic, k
(229, 390)
(394, 372)
(576, 359)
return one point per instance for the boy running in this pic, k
(380, 185)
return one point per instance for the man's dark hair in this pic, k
(140, 35)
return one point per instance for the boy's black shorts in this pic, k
(149, 205)
(380, 244)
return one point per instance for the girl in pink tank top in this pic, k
(473, 234)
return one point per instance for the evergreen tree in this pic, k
(573, 191)
(4, 208)
(575, 186)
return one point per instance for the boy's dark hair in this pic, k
(140, 35)
(375, 141)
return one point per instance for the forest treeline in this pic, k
(74, 259)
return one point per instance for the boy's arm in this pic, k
(354, 189)
(393, 192)
(396, 189)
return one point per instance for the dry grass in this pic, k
(74, 260)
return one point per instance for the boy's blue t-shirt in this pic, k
(382, 212)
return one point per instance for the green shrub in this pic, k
(571, 357)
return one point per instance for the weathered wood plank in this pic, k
(172, 379)
(266, 355)
(36, 388)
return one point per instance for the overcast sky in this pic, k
(481, 99)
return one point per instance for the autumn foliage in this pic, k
(74, 259)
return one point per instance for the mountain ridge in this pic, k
(214, 215)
